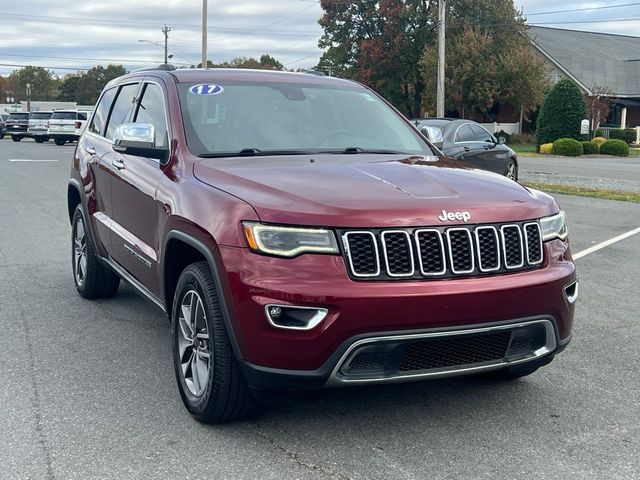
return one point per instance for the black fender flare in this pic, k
(215, 271)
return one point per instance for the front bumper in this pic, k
(277, 358)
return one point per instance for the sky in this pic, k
(52, 34)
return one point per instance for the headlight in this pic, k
(554, 227)
(288, 241)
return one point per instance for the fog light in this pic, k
(571, 291)
(295, 318)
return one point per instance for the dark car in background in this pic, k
(470, 142)
(3, 127)
(38, 126)
(17, 125)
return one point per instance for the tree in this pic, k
(379, 42)
(266, 62)
(44, 83)
(599, 104)
(489, 59)
(561, 113)
(90, 84)
(68, 91)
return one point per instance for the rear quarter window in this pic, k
(99, 120)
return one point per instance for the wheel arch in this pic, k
(74, 198)
(181, 250)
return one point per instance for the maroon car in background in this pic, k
(301, 234)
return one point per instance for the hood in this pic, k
(371, 190)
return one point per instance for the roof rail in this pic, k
(315, 72)
(163, 67)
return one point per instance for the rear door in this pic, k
(465, 146)
(135, 182)
(493, 156)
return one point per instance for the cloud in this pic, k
(48, 33)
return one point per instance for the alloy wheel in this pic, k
(80, 252)
(511, 171)
(194, 347)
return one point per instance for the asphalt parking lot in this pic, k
(88, 389)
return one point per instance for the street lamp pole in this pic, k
(204, 33)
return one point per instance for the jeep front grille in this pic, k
(442, 252)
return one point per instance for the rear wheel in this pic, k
(92, 279)
(209, 378)
(16, 138)
(59, 141)
(39, 139)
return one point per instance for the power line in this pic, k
(586, 9)
(112, 60)
(40, 66)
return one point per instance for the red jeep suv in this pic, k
(300, 233)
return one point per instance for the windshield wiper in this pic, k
(358, 150)
(255, 152)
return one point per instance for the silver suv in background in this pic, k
(39, 125)
(67, 125)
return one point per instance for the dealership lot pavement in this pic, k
(613, 173)
(88, 389)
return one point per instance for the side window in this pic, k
(82, 115)
(121, 108)
(465, 134)
(151, 110)
(481, 135)
(102, 112)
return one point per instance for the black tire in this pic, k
(38, 139)
(224, 396)
(16, 138)
(59, 141)
(93, 280)
(511, 170)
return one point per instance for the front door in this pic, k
(136, 238)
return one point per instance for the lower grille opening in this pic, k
(448, 352)
(442, 354)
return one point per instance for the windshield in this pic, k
(19, 116)
(63, 116)
(294, 119)
(40, 116)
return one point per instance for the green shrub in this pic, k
(546, 148)
(618, 148)
(568, 147)
(600, 133)
(590, 147)
(561, 114)
(616, 134)
(627, 135)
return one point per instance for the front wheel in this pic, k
(209, 378)
(16, 138)
(511, 171)
(59, 141)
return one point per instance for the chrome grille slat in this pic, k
(442, 252)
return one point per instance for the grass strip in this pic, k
(585, 192)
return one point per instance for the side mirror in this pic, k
(138, 139)
(434, 135)
(502, 141)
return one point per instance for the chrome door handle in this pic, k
(118, 163)
(90, 150)
(467, 149)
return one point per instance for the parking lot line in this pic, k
(33, 160)
(606, 243)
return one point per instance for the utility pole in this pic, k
(28, 97)
(166, 31)
(441, 57)
(204, 33)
